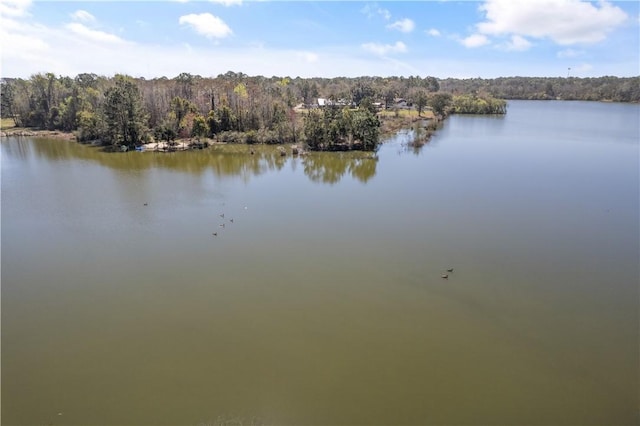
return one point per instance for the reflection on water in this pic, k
(223, 160)
(332, 167)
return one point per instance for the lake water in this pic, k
(323, 302)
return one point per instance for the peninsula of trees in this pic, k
(323, 113)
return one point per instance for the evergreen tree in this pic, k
(124, 114)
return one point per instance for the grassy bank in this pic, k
(394, 121)
(7, 123)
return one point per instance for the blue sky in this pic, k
(488, 38)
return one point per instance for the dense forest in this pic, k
(325, 113)
(612, 89)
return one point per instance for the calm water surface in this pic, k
(322, 302)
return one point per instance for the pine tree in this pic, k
(124, 114)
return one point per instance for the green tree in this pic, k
(213, 123)
(42, 101)
(439, 102)
(314, 131)
(180, 109)
(200, 127)
(367, 104)
(226, 118)
(420, 101)
(389, 97)
(68, 111)
(91, 126)
(366, 129)
(7, 100)
(124, 114)
(361, 91)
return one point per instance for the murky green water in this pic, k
(322, 302)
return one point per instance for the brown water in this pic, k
(322, 302)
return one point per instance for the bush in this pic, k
(232, 137)
(251, 137)
(269, 137)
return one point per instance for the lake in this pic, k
(322, 302)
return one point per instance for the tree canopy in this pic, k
(123, 110)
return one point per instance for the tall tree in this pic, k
(125, 117)
(7, 100)
(420, 100)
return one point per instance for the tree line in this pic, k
(122, 110)
(615, 89)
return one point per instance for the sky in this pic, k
(459, 39)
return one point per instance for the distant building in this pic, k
(322, 102)
(401, 103)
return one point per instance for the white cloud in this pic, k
(404, 25)
(384, 13)
(14, 8)
(207, 25)
(569, 53)
(309, 57)
(383, 49)
(518, 44)
(565, 22)
(372, 9)
(227, 2)
(16, 43)
(433, 32)
(83, 15)
(475, 40)
(93, 35)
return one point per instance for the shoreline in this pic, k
(390, 125)
(27, 132)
